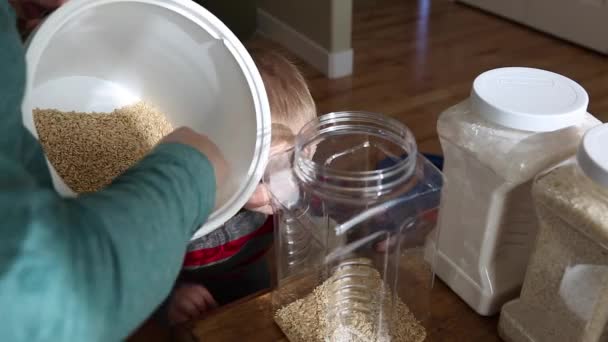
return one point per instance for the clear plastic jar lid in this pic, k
(592, 156)
(529, 99)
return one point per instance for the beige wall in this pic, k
(584, 22)
(326, 22)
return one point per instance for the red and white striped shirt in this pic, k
(247, 228)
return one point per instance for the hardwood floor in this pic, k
(415, 58)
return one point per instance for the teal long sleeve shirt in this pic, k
(94, 267)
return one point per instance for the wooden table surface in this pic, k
(251, 320)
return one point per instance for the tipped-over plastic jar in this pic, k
(517, 123)
(354, 204)
(565, 294)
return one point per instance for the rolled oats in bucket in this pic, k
(89, 150)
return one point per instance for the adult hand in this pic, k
(186, 136)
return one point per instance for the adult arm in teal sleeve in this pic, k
(90, 268)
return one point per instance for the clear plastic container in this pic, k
(565, 294)
(517, 122)
(350, 234)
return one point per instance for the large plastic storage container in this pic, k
(517, 122)
(99, 55)
(350, 231)
(565, 293)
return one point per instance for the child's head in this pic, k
(291, 107)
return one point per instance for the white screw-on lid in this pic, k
(593, 154)
(529, 99)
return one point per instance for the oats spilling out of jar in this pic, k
(348, 307)
(89, 150)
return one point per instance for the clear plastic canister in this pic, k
(350, 229)
(565, 293)
(517, 122)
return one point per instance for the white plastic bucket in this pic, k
(97, 55)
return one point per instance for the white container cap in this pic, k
(529, 99)
(593, 154)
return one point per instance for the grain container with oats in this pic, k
(565, 293)
(107, 56)
(89, 150)
(350, 233)
(517, 122)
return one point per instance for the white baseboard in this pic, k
(332, 64)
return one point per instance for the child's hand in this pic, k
(189, 302)
(387, 245)
(187, 136)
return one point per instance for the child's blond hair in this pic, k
(291, 104)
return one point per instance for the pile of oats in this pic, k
(89, 150)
